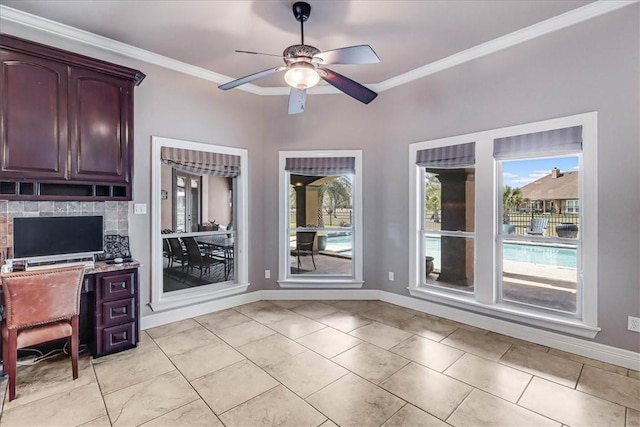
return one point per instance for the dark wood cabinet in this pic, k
(116, 312)
(66, 125)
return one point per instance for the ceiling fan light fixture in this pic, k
(302, 76)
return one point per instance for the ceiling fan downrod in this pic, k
(301, 11)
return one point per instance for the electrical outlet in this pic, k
(633, 324)
(391, 276)
(267, 274)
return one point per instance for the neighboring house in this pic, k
(556, 192)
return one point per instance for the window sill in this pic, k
(321, 283)
(199, 295)
(508, 312)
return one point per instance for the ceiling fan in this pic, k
(305, 67)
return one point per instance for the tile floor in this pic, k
(346, 363)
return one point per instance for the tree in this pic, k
(432, 198)
(338, 195)
(512, 198)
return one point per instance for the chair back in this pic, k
(176, 248)
(538, 225)
(193, 250)
(304, 240)
(37, 297)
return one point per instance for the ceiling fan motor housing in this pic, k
(299, 52)
(301, 11)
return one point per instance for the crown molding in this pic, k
(581, 14)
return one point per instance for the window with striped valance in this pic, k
(447, 157)
(548, 142)
(201, 162)
(321, 166)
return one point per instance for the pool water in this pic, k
(534, 254)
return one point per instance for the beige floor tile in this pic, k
(222, 319)
(271, 350)
(382, 335)
(289, 303)
(203, 360)
(591, 362)
(244, 333)
(233, 385)
(186, 340)
(269, 314)
(306, 373)
(389, 316)
(248, 308)
(428, 327)
(428, 353)
(482, 409)
(315, 310)
(345, 321)
(409, 415)
(633, 418)
(371, 362)
(615, 388)
(634, 374)
(477, 343)
(145, 401)
(328, 342)
(492, 377)
(352, 401)
(190, 415)
(124, 372)
(146, 344)
(464, 326)
(569, 406)
(544, 365)
(329, 423)
(172, 328)
(518, 342)
(277, 406)
(356, 306)
(427, 389)
(75, 406)
(98, 422)
(48, 378)
(295, 326)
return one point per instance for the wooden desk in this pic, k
(109, 308)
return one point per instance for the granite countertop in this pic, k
(104, 267)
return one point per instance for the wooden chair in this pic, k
(40, 306)
(304, 245)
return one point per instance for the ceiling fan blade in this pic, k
(250, 77)
(361, 54)
(297, 99)
(259, 53)
(348, 86)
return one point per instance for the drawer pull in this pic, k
(118, 311)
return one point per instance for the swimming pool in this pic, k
(522, 252)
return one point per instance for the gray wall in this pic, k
(593, 66)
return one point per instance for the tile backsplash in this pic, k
(116, 216)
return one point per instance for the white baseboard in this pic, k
(625, 358)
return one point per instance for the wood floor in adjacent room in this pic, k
(312, 363)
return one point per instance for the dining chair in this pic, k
(199, 259)
(40, 306)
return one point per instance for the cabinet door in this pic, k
(33, 123)
(100, 120)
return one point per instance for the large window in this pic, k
(498, 229)
(199, 220)
(320, 226)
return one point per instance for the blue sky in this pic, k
(518, 173)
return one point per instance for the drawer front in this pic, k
(118, 312)
(118, 338)
(116, 286)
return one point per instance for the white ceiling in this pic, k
(406, 35)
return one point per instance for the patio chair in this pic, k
(198, 259)
(537, 226)
(178, 253)
(304, 245)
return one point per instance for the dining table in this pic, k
(219, 243)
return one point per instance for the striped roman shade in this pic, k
(549, 142)
(201, 162)
(321, 166)
(448, 157)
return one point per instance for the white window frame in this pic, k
(487, 225)
(572, 207)
(161, 300)
(316, 281)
